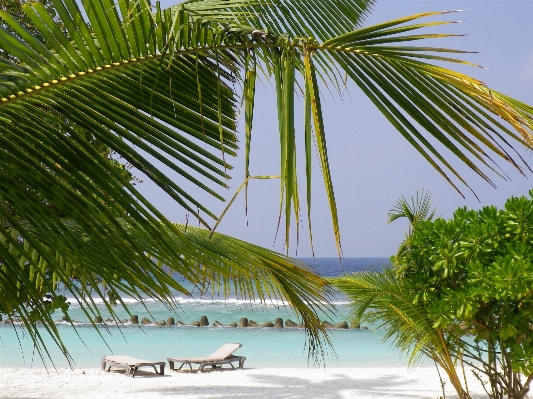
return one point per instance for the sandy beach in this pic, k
(291, 383)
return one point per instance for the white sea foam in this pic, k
(205, 301)
(99, 301)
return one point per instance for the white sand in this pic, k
(358, 383)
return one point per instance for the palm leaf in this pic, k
(212, 262)
(417, 210)
(393, 305)
(138, 88)
(298, 18)
(407, 89)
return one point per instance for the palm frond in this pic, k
(392, 304)
(419, 208)
(141, 83)
(297, 18)
(213, 263)
(451, 107)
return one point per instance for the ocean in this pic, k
(263, 347)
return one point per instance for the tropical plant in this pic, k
(472, 274)
(14, 8)
(415, 211)
(385, 299)
(460, 293)
(159, 84)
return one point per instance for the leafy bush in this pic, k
(474, 275)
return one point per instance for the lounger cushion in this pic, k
(221, 353)
(130, 361)
(130, 364)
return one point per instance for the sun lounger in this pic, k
(223, 355)
(130, 364)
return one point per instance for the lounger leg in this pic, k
(171, 364)
(182, 364)
(241, 362)
(162, 369)
(103, 363)
(134, 370)
(201, 367)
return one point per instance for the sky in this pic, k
(372, 165)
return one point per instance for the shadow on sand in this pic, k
(335, 386)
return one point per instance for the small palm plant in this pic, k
(417, 210)
(391, 303)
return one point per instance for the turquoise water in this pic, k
(263, 347)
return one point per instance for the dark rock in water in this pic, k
(146, 321)
(278, 323)
(0, 317)
(267, 324)
(134, 319)
(218, 324)
(180, 323)
(243, 322)
(9, 320)
(355, 324)
(65, 318)
(195, 324)
(108, 320)
(342, 325)
(98, 319)
(252, 323)
(291, 324)
(364, 328)
(161, 323)
(234, 324)
(203, 321)
(327, 324)
(171, 321)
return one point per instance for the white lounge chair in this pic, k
(223, 355)
(130, 364)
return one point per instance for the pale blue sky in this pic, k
(372, 165)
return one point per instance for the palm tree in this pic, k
(146, 81)
(417, 210)
(384, 297)
(393, 305)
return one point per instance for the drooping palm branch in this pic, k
(160, 82)
(214, 263)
